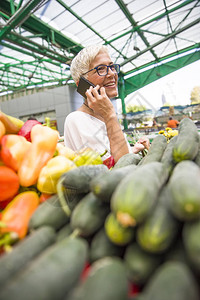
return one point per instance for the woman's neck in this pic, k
(85, 108)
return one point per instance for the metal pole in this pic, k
(121, 87)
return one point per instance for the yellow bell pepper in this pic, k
(88, 156)
(51, 173)
(2, 129)
(65, 151)
(43, 146)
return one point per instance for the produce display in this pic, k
(76, 227)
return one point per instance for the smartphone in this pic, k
(84, 85)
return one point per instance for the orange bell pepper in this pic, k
(9, 183)
(43, 146)
(17, 214)
(13, 150)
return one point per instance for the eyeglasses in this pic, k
(102, 70)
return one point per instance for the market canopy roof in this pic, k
(149, 38)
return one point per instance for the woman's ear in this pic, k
(77, 82)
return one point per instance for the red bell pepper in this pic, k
(25, 131)
(16, 216)
(109, 162)
(9, 183)
(13, 150)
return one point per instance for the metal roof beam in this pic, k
(134, 24)
(185, 50)
(37, 26)
(158, 71)
(88, 26)
(153, 20)
(25, 43)
(19, 17)
(171, 35)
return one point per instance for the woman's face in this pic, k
(109, 81)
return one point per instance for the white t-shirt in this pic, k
(83, 130)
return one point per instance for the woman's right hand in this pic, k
(100, 103)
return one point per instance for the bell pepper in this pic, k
(88, 156)
(109, 162)
(12, 124)
(43, 146)
(9, 183)
(43, 197)
(13, 150)
(2, 129)
(51, 173)
(16, 216)
(65, 151)
(25, 131)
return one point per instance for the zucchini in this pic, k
(159, 230)
(49, 213)
(24, 251)
(127, 159)
(89, 215)
(167, 157)
(172, 280)
(51, 275)
(104, 185)
(185, 191)
(107, 280)
(118, 234)
(191, 241)
(101, 246)
(78, 179)
(136, 195)
(140, 264)
(155, 151)
(187, 143)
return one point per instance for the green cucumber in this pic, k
(127, 159)
(104, 185)
(24, 251)
(49, 213)
(172, 280)
(191, 241)
(159, 230)
(89, 215)
(63, 232)
(78, 179)
(185, 191)
(107, 280)
(187, 144)
(136, 195)
(51, 275)
(140, 264)
(155, 151)
(167, 157)
(197, 158)
(118, 234)
(101, 246)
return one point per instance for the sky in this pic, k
(176, 88)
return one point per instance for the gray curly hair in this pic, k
(82, 61)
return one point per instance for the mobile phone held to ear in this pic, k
(84, 85)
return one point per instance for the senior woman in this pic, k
(95, 123)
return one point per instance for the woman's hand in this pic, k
(100, 103)
(141, 144)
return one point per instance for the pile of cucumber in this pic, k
(138, 223)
